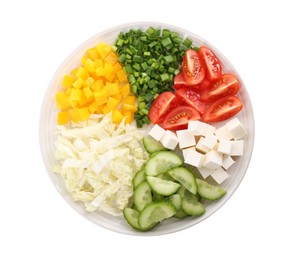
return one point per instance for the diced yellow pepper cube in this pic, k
(121, 75)
(87, 92)
(67, 81)
(93, 107)
(78, 83)
(82, 73)
(100, 72)
(83, 60)
(108, 69)
(112, 103)
(111, 77)
(103, 49)
(130, 100)
(76, 95)
(62, 100)
(100, 96)
(105, 110)
(97, 85)
(62, 118)
(88, 82)
(117, 96)
(127, 107)
(98, 63)
(84, 113)
(112, 88)
(111, 58)
(74, 115)
(89, 65)
(128, 116)
(117, 66)
(92, 53)
(117, 116)
(125, 90)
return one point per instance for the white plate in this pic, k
(47, 134)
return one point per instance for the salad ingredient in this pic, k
(186, 138)
(191, 205)
(179, 118)
(157, 132)
(184, 177)
(192, 98)
(192, 67)
(161, 162)
(139, 177)
(160, 106)
(152, 145)
(211, 62)
(99, 85)
(162, 187)
(131, 216)
(226, 85)
(142, 195)
(151, 59)
(223, 109)
(169, 140)
(98, 160)
(209, 191)
(155, 212)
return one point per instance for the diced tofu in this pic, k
(212, 160)
(201, 128)
(237, 148)
(187, 151)
(219, 175)
(236, 129)
(186, 138)
(194, 158)
(205, 172)
(157, 132)
(169, 140)
(225, 146)
(227, 162)
(223, 133)
(210, 141)
(200, 146)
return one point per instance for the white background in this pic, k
(36, 223)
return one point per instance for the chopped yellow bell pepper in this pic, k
(67, 81)
(117, 116)
(62, 118)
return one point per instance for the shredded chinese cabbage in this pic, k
(98, 160)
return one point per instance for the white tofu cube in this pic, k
(169, 140)
(194, 158)
(223, 133)
(212, 160)
(201, 128)
(205, 172)
(210, 141)
(227, 162)
(157, 132)
(187, 151)
(200, 146)
(225, 146)
(237, 148)
(186, 138)
(219, 175)
(236, 129)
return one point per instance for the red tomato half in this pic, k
(179, 81)
(212, 63)
(223, 109)
(192, 67)
(179, 118)
(160, 106)
(190, 96)
(227, 85)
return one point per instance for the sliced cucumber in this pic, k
(155, 212)
(139, 177)
(180, 214)
(184, 177)
(162, 187)
(209, 191)
(162, 162)
(176, 200)
(191, 205)
(165, 176)
(142, 195)
(152, 145)
(131, 217)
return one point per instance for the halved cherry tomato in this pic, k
(179, 118)
(222, 109)
(193, 68)
(227, 85)
(192, 98)
(160, 106)
(180, 82)
(212, 63)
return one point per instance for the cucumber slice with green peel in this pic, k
(191, 205)
(162, 187)
(181, 191)
(142, 195)
(184, 177)
(161, 162)
(176, 200)
(155, 212)
(139, 177)
(180, 214)
(165, 176)
(157, 197)
(209, 191)
(151, 145)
